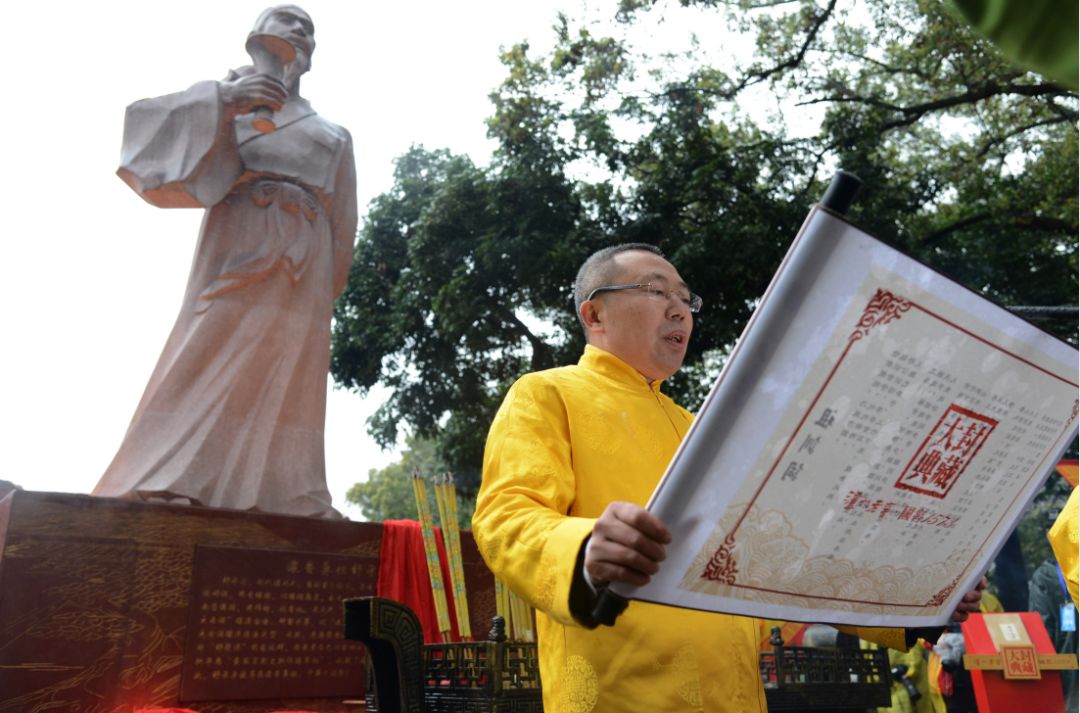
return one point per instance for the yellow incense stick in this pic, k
(503, 607)
(509, 613)
(515, 623)
(457, 593)
(431, 552)
(452, 537)
(500, 600)
(522, 618)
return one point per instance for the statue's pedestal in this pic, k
(109, 606)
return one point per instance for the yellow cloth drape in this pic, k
(564, 444)
(1064, 541)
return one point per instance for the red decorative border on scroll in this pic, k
(884, 307)
(722, 566)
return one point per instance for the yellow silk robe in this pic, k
(564, 444)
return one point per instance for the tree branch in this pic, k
(911, 114)
(1046, 225)
(1022, 220)
(1063, 111)
(921, 74)
(757, 5)
(941, 233)
(791, 62)
(541, 350)
(997, 140)
(811, 175)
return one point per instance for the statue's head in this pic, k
(291, 24)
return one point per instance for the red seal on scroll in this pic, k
(946, 452)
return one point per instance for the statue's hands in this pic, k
(242, 95)
(627, 545)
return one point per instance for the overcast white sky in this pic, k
(94, 276)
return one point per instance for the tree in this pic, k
(452, 271)
(462, 274)
(387, 494)
(968, 162)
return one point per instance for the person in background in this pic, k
(1066, 544)
(1050, 598)
(910, 690)
(950, 682)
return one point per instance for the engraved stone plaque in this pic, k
(268, 624)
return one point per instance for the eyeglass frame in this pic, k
(694, 304)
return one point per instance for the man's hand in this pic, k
(627, 545)
(242, 95)
(970, 602)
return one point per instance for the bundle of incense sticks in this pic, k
(523, 621)
(446, 499)
(431, 550)
(515, 612)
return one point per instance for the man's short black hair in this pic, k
(599, 270)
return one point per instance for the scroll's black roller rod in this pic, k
(841, 192)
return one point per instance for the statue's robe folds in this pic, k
(565, 443)
(233, 414)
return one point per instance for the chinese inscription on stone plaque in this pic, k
(268, 624)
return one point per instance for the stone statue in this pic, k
(234, 412)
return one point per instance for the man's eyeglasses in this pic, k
(655, 291)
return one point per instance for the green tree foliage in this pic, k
(453, 271)
(387, 494)
(462, 273)
(1044, 510)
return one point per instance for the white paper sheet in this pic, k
(872, 441)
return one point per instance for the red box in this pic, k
(996, 694)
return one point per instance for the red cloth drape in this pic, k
(403, 575)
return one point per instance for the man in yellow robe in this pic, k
(572, 456)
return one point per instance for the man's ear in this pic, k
(590, 316)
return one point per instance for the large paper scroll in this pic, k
(873, 439)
